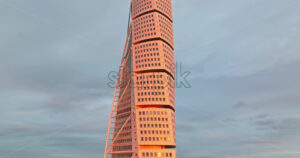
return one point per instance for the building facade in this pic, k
(142, 119)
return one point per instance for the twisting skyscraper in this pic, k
(142, 119)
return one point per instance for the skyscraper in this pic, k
(142, 119)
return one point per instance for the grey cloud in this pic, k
(258, 118)
(280, 128)
(186, 127)
(291, 124)
(240, 104)
(261, 116)
(265, 122)
(230, 120)
(262, 141)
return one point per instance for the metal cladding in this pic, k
(153, 26)
(140, 7)
(142, 119)
(153, 55)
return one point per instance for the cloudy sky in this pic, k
(243, 56)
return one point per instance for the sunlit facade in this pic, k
(142, 119)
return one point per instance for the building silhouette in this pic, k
(142, 119)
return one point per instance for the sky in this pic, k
(242, 56)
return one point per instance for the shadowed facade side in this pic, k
(142, 119)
